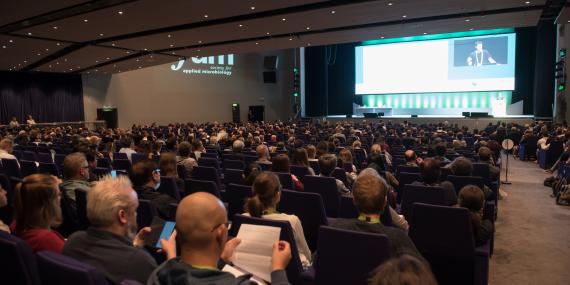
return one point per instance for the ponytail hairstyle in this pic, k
(37, 203)
(265, 188)
(473, 198)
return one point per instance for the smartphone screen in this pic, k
(166, 232)
(114, 173)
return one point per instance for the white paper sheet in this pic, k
(253, 254)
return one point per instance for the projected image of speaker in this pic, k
(270, 62)
(370, 115)
(269, 77)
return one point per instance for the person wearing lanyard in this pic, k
(202, 233)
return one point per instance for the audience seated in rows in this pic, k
(280, 164)
(184, 158)
(327, 164)
(430, 170)
(403, 270)
(472, 198)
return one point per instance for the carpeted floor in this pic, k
(532, 242)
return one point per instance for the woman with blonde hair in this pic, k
(37, 204)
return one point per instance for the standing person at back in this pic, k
(202, 235)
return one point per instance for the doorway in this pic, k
(256, 113)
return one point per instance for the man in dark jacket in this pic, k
(202, 232)
(146, 181)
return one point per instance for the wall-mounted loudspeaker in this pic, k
(269, 77)
(270, 62)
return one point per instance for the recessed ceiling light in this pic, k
(113, 44)
(100, 35)
(308, 28)
(96, 70)
(309, 44)
(252, 7)
(390, 4)
(10, 41)
(120, 12)
(38, 53)
(138, 59)
(3, 46)
(471, 29)
(173, 53)
(404, 16)
(108, 58)
(268, 33)
(381, 37)
(96, 61)
(47, 49)
(467, 20)
(146, 49)
(128, 52)
(57, 44)
(527, 2)
(85, 20)
(140, 67)
(199, 42)
(257, 43)
(206, 16)
(333, 12)
(171, 45)
(50, 66)
(240, 25)
(425, 33)
(290, 39)
(169, 36)
(55, 27)
(284, 19)
(71, 69)
(29, 34)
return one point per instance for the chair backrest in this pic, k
(81, 208)
(59, 157)
(233, 176)
(48, 168)
(145, 212)
(101, 171)
(137, 157)
(420, 194)
(11, 168)
(104, 163)
(28, 167)
(340, 174)
(326, 187)
(315, 166)
(300, 171)
(309, 208)
(235, 196)
(461, 181)
(265, 166)
(209, 162)
(481, 169)
(18, 263)
(444, 236)
(294, 268)
(206, 173)
(56, 268)
(407, 168)
(182, 172)
(172, 208)
(195, 185)
(405, 178)
(210, 154)
(120, 155)
(168, 186)
(45, 157)
(122, 164)
(30, 156)
(362, 252)
(286, 180)
(234, 164)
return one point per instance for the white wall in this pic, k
(159, 94)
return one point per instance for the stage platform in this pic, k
(471, 123)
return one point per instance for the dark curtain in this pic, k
(329, 80)
(48, 97)
(524, 68)
(544, 69)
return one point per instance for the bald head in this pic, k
(410, 155)
(198, 216)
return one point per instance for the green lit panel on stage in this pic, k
(436, 100)
(440, 36)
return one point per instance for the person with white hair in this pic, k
(6, 148)
(112, 244)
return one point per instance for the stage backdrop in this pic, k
(330, 80)
(47, 97)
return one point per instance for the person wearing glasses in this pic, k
(266, 191)
(146, 181)
(76, 176)
(202, 235)
(112, 244)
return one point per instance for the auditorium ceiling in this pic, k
(111, 36)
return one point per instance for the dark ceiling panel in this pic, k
(149, 14)
(134, 64)
(18, 10)
(82, 58)
(17, 52)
